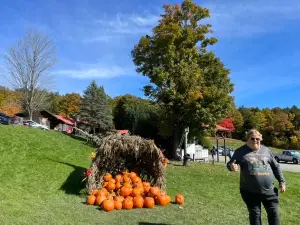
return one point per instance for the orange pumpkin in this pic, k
(94, 192)
(105, 184)
(111, 186)
(155, 191)
(108, 205)
(138, 202)
(117, 205)
(118, 186)
(179, 199)
(107, 177)
(146, 189)
(118, 178)
(127, 184)
(163, 200)
(91, 199)
(125, 191)
(136, 192)
(100, 199)
(112, 180)
(168, 198)
(102, 191)
(126, 179)
(149, 202)
(127, 204)
(119, 198)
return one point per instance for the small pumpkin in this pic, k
(119, 198)
(127, 204)
(108, 205)
(136, 192)
(118, 178)
(94, 192)
(91, 199)
(179, 199)
(111, 186)
(125, 191)
(149, 202)
(117, 205)
(107, 177)
(118, 186)
(100, 199)
(102, 191)
(155, 191)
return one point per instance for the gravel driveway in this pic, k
(284, 166)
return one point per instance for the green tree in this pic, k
(189, 82)
(139, 116)
(69, 104)
(95, 107)
(258, 121)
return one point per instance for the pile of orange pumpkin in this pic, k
(126, 190)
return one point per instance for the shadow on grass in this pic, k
(73, 185)
(146, 223)
(82, 139)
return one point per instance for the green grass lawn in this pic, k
(234, 143)
(41, 171)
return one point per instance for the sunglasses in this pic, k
(255, 139)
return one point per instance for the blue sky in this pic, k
(258, 41)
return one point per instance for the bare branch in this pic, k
(27, 67)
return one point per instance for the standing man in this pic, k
(257, 170)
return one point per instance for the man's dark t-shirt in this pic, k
(257, 169)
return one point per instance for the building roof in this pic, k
(64, 119)
(220, 128)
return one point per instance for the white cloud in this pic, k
(252, 18)
(123, 25)
(97, 71)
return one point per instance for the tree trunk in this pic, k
(177, 133)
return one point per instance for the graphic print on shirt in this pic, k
(257, 166)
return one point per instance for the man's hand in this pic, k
(234, 166)
(282, 188)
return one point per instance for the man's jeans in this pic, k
(270, 202)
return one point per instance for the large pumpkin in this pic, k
(138, 202)
(108, 205)
(149, 202)
(91, 199)
(127, 204)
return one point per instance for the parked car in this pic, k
(288, 156)
(34, 124)
(5, 119)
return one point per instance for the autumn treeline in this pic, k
(280, 126)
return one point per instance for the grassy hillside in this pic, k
(41, 171)
(234, 143)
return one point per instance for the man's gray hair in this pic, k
(253, 132)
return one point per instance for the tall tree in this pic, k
(27, 67)
(95, 107)
(189, 82)
(69, 104)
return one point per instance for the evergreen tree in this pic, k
(95, 107)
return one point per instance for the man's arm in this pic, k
(234, 159)
(276, 169)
